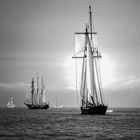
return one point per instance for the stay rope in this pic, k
(78, 102)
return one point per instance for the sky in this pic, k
(38, 36)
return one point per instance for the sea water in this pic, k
(68, 124)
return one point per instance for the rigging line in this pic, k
(100, 76)
(81, 42)
(76, 83)
(82, 80)
(82, 85)
(78, 52)
(95, 88)
(97, 71)
(101, 82)
(85, 82)
(85, 90)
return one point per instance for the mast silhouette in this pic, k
(90, 89)
(36, 99)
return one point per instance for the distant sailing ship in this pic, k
(90, 84)
(11, 104)
(109, 110)
(36, 98)
(57, 105)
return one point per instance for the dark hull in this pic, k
(30, 106)
(94, 110)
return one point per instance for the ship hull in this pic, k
(11, 106)
(58, 106)
(94, 110)
(30, 106)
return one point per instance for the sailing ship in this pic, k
(57, 105)
(109, 110)
(11, 104)
(36, 99)
(91, 91)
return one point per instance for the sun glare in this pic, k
(69, 72)
(73, 69)
(107, 71)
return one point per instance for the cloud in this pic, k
(14, 86)
(125, 82)
(17, 90)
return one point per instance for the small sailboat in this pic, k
(91, 91)
(36, 98)
(57, 105)
(11, 104)
(109, 110)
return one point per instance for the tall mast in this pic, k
(32, 86)
(90, 69)
(90, 20)
(37, 87)
(42, 82)
(42, 88)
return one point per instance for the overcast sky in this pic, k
(38, 36)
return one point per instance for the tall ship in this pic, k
(11, 104)
(36, 98)
(90, 89)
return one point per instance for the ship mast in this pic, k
(90, 82)
(32, 86)
(37, 100)
(41, 98)
(89, 60)
(90, 21)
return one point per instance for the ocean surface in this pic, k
(68, 124)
